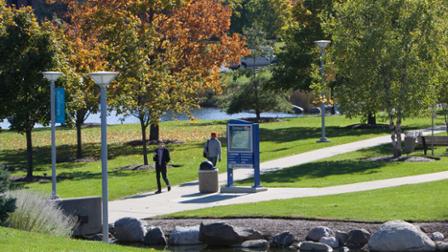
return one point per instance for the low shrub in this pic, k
(37, 213)
(7, 204)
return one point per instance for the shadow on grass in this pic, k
(84, 175)
(380, 150)
(302, 133)
(295, 133)
(327, 168)
(16, 159)
(320, 170)
(209, 199)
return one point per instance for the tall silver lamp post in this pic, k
(322, 45)
(53, 77)
(103, 79)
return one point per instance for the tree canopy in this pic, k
(167, 52)
(27, 48)
(294, 69)
(388, 54)
(272, 16)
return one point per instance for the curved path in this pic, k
(187, 197)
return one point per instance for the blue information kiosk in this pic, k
(243, 152)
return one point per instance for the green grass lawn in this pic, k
(279, 139)
(351, 168)
(420, 202)
(12, 240)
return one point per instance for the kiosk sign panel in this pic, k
(240, 138)
(243, 149)
(240, 146)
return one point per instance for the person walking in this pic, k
(161, 158)
(212, 149)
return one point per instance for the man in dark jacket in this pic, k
(161, 158)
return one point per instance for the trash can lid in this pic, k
(206, 165)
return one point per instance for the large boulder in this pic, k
(437, 236)
(357, 238)
(314, 246)
(400, 236)
(222, 234)
(260, 244)
(330, 241)
(442, 246)
(184, 236)
(129, 229)
(317, 233)
(155, 237)
(341, 237)
(282, 240)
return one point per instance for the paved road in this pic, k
(186, 196)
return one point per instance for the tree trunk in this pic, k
(80, 116)
(333, 107)
(371, 118)
(257, 113)
(154, 133)
(29, 152)
(144, 142)
(396, 136)
(445, 114)
(78, 141)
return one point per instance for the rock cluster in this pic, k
(400, 236)
(392, 236)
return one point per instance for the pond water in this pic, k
(202, 113)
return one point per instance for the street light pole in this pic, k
(52, 77)
(102, 79)
(322, 44)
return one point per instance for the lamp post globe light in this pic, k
(322, 45)
(102, 79)
(53, 77)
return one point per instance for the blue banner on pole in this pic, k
(60, 105)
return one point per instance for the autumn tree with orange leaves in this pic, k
(167, 53)
(83, 54)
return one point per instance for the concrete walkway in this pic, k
(187, 196)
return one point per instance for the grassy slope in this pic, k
(351, 168)
(409, 202)
(12, 240)
(75, 179)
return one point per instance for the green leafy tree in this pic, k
(252, 93)
(7, 204)
(250, 90)
(271, 15)
(299, 55)
(391, 60)
(27, 48)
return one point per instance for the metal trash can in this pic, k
(208, 178)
